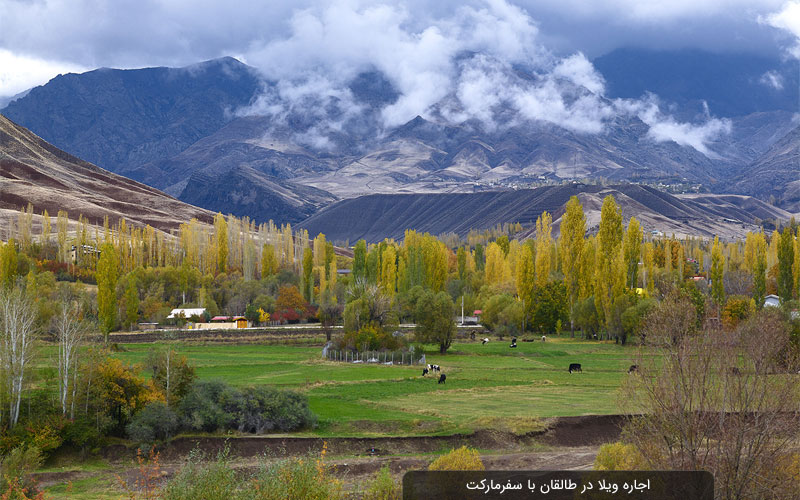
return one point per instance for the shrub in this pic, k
(210, 406)
(303, 478)
(156, 422)
(383, 487)
(201, 479)
(15, 469)
(200, 409)
(618, 456)
(461, 459)
(264, 409)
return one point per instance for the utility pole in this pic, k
(462, 310)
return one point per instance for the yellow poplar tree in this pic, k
(221, 242)
(609, 240)
(544, 241)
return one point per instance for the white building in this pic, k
(187, 313)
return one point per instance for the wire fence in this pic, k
(375, 357)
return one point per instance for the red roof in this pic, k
(477, 312)
(220, 318)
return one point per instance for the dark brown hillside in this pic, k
(375, 217)
(34, 171)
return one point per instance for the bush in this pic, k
(200, 409)
(156, 422)
(201, 479)
(264, 409)
(304, 478)
(383, 487)
(618, 456)
(210, 406)
(15, 469)
(461, 459)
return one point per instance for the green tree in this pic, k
(609, 239)
(632, 248)
(717, 273)
(107, 273)
(573, 229)
(549, 307)
(435, 319)
(461, 259)
(360, 260)
(480, 258)
(759, 273)
(785, 263)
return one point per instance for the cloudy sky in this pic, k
(41, 38)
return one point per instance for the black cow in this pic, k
(633, 369)
(435, 368)
(442, 378)
(485, 341)
(575, 367)
(513, 343)
(424, 371)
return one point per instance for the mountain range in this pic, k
(201, 134)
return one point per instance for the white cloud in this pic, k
(772, 79)
(19, 73)
(665, 128)
(787, 19)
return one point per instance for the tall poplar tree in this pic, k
(544, 254)
(609, 240)
(308, 275)
(717, 272)
(269, 264)
(573, 229)
(221, 240)
(785, 263)
(632, 249)
(360, 260)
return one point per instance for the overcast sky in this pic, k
(42, 38)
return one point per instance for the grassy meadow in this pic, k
(486, 385)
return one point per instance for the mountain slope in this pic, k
(375, 217)
(775, 175)
(34, 171)
(117, 118)
(243, 191)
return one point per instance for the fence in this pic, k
(376, 357)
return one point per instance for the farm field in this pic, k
(488, 386)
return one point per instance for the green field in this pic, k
(484, 383)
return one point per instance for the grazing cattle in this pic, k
(424, 371)
(436, 368)
(544, 338)
(442, 378)
(485, 341)
(513, 343)
(633, 368)
(575, 367)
